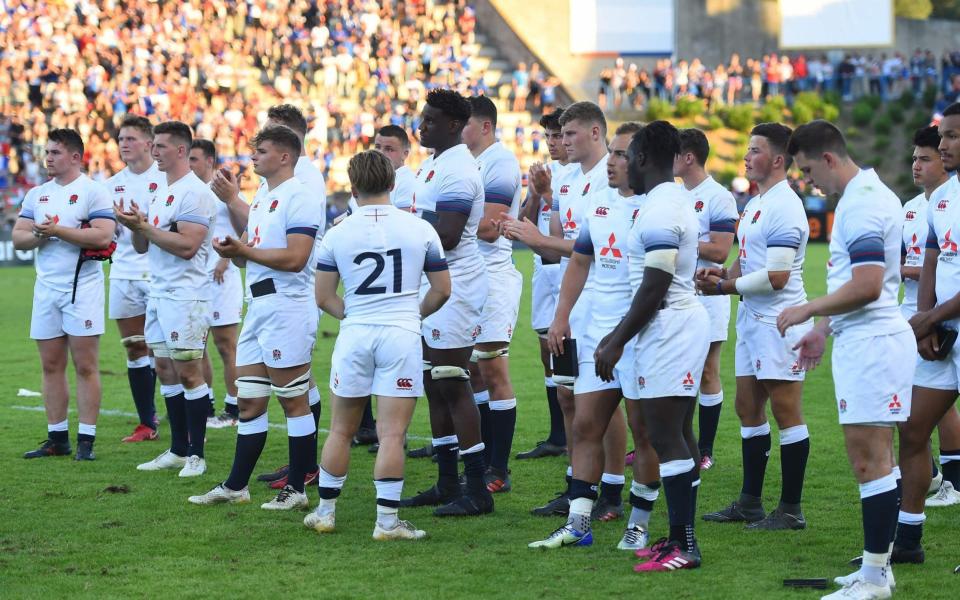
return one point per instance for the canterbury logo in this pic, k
(564, 189)
(942, 205)
(404, 383)
(611, 249)
(602, 211)
(911, 215)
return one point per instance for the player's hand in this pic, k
(540, 179)
(129, 216)
(524, 231)
(559, 331)
(606, 357)
(791, 316)
(811, 346)
(226, 185)
(707, 284)
(928, 347)
(229, 247)
(702, 274)
(222, 265)
(923, 324)
(48, 228)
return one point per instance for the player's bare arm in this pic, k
(574, 279)
(438, 294)
(539, 190)
(226, 186)
(718, 248)
(325, 289)
(182, 243)
(132, 218)
(23, 236)
(292, 258)
(551, 247)
(762, 281)
(493, 214)
(449, 225)
(865, 286)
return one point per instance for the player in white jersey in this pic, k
(227, 189)
(545, 285)
(873, 356)
(489, 366)
(929, 174)
(276, 344)
(130, 271)
(449, 195)
(668, 328)
(380, 252)
(603, 241)
(226, 303)
(175, 232)
(935, 384)
(63, 219)
(394, 142)
(584, 130)
(716, 212)
(773, 235)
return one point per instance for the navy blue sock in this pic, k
(474, 466)
(709, 422)
(141, 381)
(486, 429)
(612, 492)
(232, 409)
(303, 456)
(59, 437)
(213, 406)
(878, 511)
(248, 450)
(315, 411)
(756, 452)
(504, 423)
(678, 490)
(558, 435)
(793, 466)
(177, 415)
(951, 468)
(197, 413)
(447, 470)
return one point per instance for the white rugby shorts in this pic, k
(180, 324)
(128, 298)
(873, 378)
(544, 295)
(227, 299)
(499, 315)
(762, 353)
(457, 323)
(53, 315)
(718, 309)
(587, 381)
(279, 331)
(670, 352)
(376, 359)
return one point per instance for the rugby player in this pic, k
(175, 230)
(130, 271)
(449, 195)
(546, 276)
(276, 343)
(584, 130)
(59, 219)
(716, 212)
(489, 366)
(380, 252)
(874, 353)
(768, 276)
(668, 328)
(929, 174)
(935, 384)
(602, 241)
(227, 295)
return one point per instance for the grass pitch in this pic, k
(105, 530)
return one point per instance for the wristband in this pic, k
(720, 287)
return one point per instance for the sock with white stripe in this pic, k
(142, 384)
(642, 497)
(950, 465)
(177, 415)
(709, 418)
(197, 409)
(330, 487)
(388, 501)
(558, 435)
(59, 433)
(86, 433)
(755, 446)
(503, 422)
(302, 446)
(611, 488)
(230, 406)
(794, 450)
(878, 504)
(251, 437)
(678, 477)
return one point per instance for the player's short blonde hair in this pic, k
(371, 173)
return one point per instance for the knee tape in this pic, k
(160, 350)
(133, 339)
(298, 387)
(427, 365)
(489, 354)
(449, 372)
(564, 381)
(184, 354)
(251, 386)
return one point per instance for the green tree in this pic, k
(946, 9)
(913, 9)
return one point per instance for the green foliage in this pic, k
(658, 110)
(905, 180)
(920, 118)
(930, 96)
(907, 99)
(777, 101)
(913, 9)
(770, 113)
(881, 143)
(688, 107)
(739, 117)
(832, 97)
(714, 122)
(946, 9)
(895, 112)
(802, 114)
(831, 112)
(877, 162)
(862, 114)
(873, 100)
(853, 133)
(883, 125)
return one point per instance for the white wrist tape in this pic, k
(665, 260)
(756, 283)
(780, 258)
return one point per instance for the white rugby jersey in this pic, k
(867, 231)
(141, 188)
(451, 182)
(312, 179)
(403, 187)
(83, 199)
(189, 200)
(716, 212)
(381, 253)
(773, 219)
(222, 227)
(913, 242)
(666, 221)
(500, 174)
(943, 216)
(604, 233)
(557, 172)
(287, 209)
(570, 200)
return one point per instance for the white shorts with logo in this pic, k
(376, 359)
(762, 353)
(180, 324)
(718, 309)
(544, 295)
(623, 373)
(279, 331)
(500, 311)
(53, 315)
(128, 298)
(457, 323)
(227, 299)
(670, 352)
(873, 378)
(939, 374)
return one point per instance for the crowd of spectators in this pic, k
(352, 65)
(629, 86)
